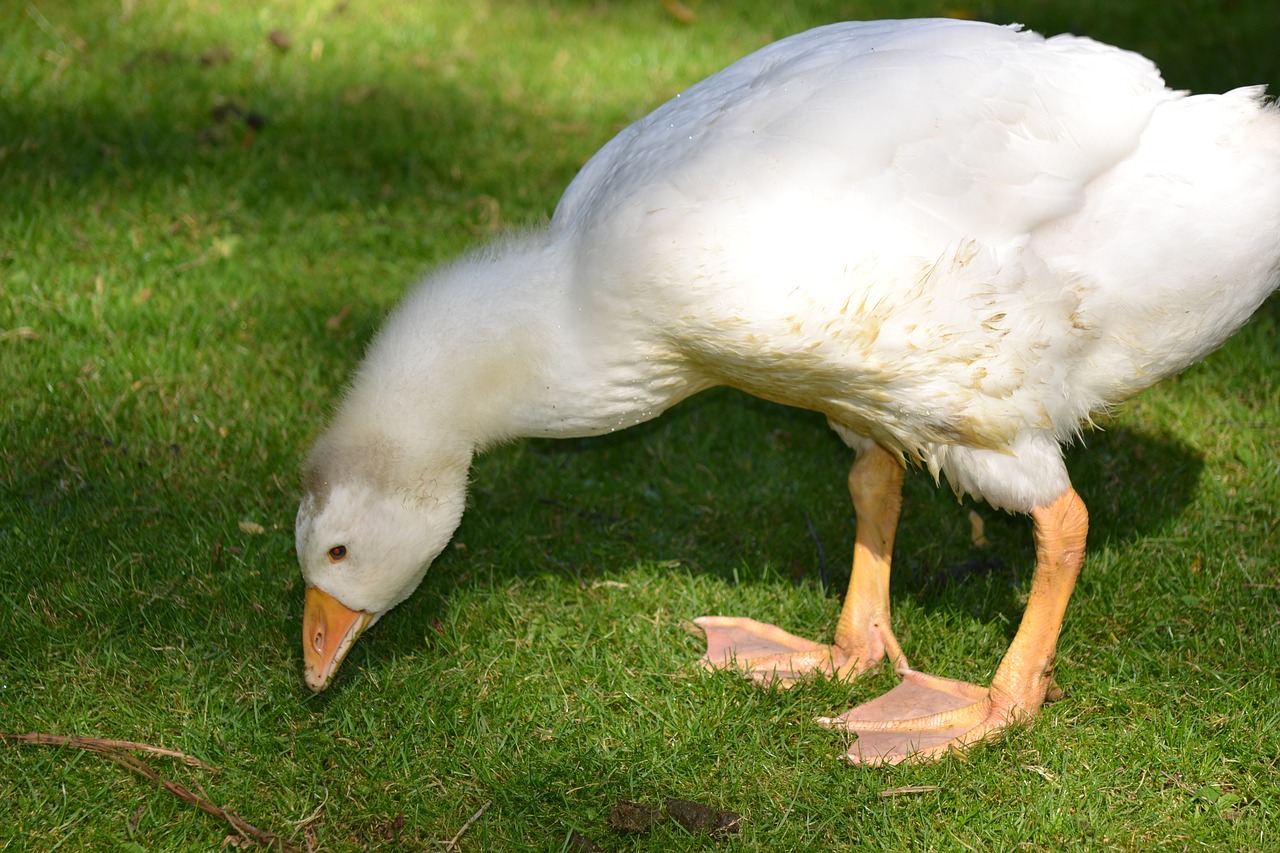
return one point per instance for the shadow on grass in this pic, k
(344, 148)
(749, 512)
(347, 139)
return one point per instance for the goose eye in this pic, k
(337, 553)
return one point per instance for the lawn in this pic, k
(205, 211)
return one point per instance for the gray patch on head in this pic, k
(372, 458)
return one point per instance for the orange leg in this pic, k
(926, 716)
(863, 634)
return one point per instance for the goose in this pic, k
(960, 242)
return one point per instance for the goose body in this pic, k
(958, 241)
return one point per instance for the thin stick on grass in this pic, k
(117, 751)
(98, 745)
(453, 842)
(909, 789)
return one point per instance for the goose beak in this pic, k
(329, 629)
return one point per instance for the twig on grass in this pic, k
(117, 751)
(909, 789)
(453, 842)
(99, 745)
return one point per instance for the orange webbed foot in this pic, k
(769, 655)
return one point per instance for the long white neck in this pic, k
(505, 344)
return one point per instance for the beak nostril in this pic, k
(328, 629)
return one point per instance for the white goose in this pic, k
(958, 241)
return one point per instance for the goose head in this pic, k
(364, 544)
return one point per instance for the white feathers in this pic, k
(941, 234)
(954, 239)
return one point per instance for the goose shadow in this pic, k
(766, 505)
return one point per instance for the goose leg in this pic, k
(863, 635)
(926, 716)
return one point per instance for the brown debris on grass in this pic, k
(453, 842)
(695, 817)
(630, 817)
(627, 816)
(118, 751)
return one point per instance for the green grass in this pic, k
(180, 310)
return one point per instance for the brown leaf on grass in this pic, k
(679, 11)
(280, 40)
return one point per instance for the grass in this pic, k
(182, 300)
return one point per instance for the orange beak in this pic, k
(329, 629)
